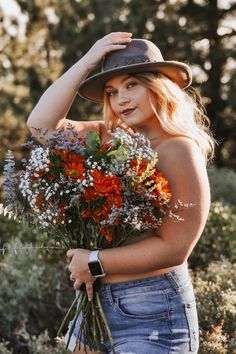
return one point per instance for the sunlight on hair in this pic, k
(179, 112)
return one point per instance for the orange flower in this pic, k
(62, 211)
(39, 200)
(105, 147)
(73, 165)
(148, 218)
(90, 194)
(162, 186)
(142, 166)
(106, 232)
(115, 200)
(105, 184)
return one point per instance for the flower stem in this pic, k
(78, 311)
(68, 314)
(105, 321)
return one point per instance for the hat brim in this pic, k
(92, 88)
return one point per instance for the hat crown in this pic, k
(138, 51)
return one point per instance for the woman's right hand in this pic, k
(110, 42)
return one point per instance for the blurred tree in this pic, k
(58, 33)
(211, 46)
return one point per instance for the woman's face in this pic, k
(129, 100)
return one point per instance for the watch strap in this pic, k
(93, 257)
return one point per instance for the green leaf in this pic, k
(55, 159)
(121, 154)
(93, 141)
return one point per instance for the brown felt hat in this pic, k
(140, 55)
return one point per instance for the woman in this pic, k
(146, 291)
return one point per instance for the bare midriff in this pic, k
(116, 278)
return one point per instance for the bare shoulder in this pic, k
(180, 152)
(183, 164)
(178, 144)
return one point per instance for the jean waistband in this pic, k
(178, 278)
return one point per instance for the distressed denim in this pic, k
(152, 315)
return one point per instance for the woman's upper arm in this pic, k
(184, 167)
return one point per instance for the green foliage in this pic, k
(218, 239)
(43, 344)
(215, 290)
(223, 185)
(29, 282)
(4, 348)
(11, 228)
(29, 65)
(36, 344)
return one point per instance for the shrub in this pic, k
(41, 344)
(12, 229)
(223, 185)
(4, 348)
(33, 344)
(215, 290)
(28, 294)
(218, 240)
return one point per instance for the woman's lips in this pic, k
(127, 112)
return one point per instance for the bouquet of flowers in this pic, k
(85, 194)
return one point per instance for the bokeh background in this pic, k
(39, 41)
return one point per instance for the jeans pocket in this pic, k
(192, 320)
(145, 305)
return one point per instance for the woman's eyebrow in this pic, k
(123, 80)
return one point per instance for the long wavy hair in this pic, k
(179, 112)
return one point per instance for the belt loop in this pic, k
(172, 280)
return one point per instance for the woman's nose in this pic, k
(122, 99)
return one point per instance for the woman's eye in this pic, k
(112, 93)
(131, 84)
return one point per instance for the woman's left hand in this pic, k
(79, 270)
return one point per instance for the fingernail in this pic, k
(89, 299)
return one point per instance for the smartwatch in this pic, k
(95, 265)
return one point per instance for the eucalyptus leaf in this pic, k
(93, 140)
(121, 154)
(55, 159)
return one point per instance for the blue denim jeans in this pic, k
(155, 315)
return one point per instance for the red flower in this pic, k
(86, 213)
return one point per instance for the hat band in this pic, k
(125, 61)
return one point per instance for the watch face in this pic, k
(95, 268)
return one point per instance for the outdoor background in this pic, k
(40, 40)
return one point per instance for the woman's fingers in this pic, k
(89, 289)
(118, 34)
(110, 42)
(119, 41)
(77, 284)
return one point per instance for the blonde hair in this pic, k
(180, 113)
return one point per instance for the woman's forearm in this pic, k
(54, 104)
(143, 256)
